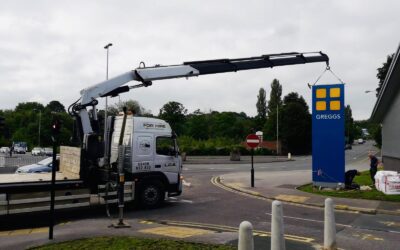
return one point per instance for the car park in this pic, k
(36, 151)
(42, 166)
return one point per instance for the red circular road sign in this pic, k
(253, 141)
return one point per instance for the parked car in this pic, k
(347, 146)
(37, 151)
(360, 141)
(48, 151)
(19, 150)
(5, 150)
(42, 166)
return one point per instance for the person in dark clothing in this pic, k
(348, 179)
(373, 166)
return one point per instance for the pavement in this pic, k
(268, 185)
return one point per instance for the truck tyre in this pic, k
(151, 194)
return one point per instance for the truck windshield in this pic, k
(165, 146)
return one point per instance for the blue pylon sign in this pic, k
(328, 135)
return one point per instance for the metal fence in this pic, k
(18, 160)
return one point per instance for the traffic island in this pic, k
(362, 180)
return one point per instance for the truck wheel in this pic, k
(151, 194)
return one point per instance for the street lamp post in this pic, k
(40, 123)
(277, 127)
(105, 111)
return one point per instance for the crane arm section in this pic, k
(146, 75)
(195, 68)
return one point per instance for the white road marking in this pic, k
(175, 200)
(319, 221)
(186, 184)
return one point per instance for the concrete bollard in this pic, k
(329, 226)
(245, 236)
(277, 232)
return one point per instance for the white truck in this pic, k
(139, 152)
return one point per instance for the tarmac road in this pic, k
(204, 203)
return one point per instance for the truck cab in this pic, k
(151, 158)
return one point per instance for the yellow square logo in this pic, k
(334, 92)
(321, 93)
(320, 106)
(334, 105)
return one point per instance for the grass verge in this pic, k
(130, 243)
(363, 180)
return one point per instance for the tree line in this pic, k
(200, 132)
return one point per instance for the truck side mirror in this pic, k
(173, 135)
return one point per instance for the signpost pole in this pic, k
(55, 131)
(252, 142)
(252, 167)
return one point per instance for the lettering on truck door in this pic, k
(143, 159)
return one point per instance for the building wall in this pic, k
(391, 135)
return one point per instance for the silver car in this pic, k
(37, 151)
(5, 150)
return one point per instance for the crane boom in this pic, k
(146, 75)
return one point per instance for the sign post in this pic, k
(252, 141)
(328, 135)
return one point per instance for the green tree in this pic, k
(377, 135)
(261, 109)
(352, 131)
(55, 106)
(131, 105)
(174, 113)
(197, 125)
(274, 109)
(22, 124)
(296, 124)
(382, 72)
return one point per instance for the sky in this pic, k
(50, 50)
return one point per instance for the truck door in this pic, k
(166, 159)
(143, 154)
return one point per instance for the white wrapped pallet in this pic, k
(388, 182)
(380, 179)
(392, 184)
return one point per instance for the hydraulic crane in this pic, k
(87, 122)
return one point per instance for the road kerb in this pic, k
(337, 207)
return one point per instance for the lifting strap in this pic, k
(328, 68)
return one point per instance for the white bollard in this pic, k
(289, 156)
(245, 236)
(277, 232)
(329, 226)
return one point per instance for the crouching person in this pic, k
(349, 177)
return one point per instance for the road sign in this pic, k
(253, 141)
(328, 135)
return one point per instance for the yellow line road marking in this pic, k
(20, 232)
(233, 229)
(390, 223)
(292, 198)
(176, 232)
(255, 195)
(40, 230)
(368, 237)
